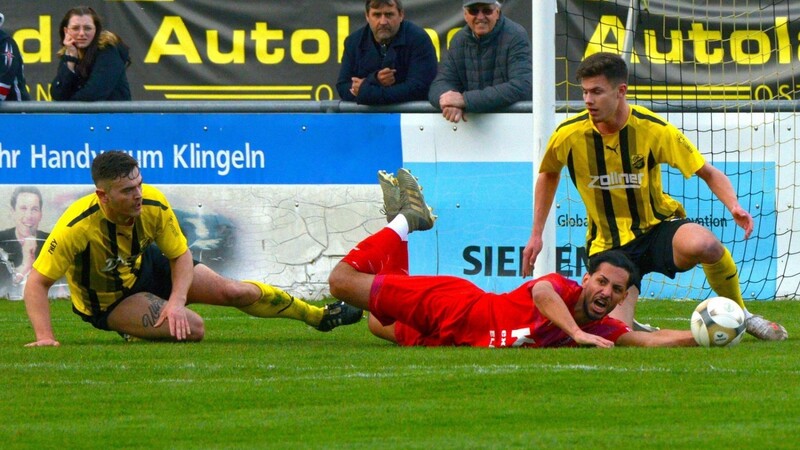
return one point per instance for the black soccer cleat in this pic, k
(339, 313)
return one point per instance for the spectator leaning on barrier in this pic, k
(487, 67)
(12, 73)
(388, 60)
(93, 60)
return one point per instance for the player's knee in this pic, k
(198, 328)
(711, 250)
(380, 330)
(375, 327)
(235, 293)
(337, 281)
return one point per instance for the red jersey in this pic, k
(444, 310)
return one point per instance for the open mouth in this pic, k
(599, 306)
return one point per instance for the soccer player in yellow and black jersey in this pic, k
(613, 152)
(130, 270)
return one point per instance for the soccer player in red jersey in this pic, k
(551, 311)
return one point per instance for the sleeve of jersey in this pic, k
(609, 328)
(562, 285)
(682, 153)
(171, 241)
(58, 251)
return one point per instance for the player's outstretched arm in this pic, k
(38, 307)
(546, 185)
(552, 306)
(660, 338)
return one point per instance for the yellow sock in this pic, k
(275, 302)
(723, 277)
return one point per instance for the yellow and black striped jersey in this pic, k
(102, 259)
(618, 176)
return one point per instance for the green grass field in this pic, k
(256, 383)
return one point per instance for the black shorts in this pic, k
(155, 277)
(652, 252)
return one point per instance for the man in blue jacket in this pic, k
(488, 66)
(389, 60)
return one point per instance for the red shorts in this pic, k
(431, 310)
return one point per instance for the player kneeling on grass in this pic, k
(130, 270)
(551, 311)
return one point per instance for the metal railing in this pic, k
(338, 106)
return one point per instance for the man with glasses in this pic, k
(487, 66)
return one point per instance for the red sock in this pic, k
(397, 260)
(383, 252)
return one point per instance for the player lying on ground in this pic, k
(551, 311)
(130, 270)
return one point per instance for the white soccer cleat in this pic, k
(646, 327)
(766, 330)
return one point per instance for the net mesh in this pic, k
(724, 73)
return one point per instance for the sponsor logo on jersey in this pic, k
(616, 180)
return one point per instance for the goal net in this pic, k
(724, 72)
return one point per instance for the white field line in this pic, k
(328, 373)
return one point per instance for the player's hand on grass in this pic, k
(584, 338)
(44, 343)
(175, 315)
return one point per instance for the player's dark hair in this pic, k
(616, 259)
(378, 3)
(610, 65)
(108, 166)
(25, 190)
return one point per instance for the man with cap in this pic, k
(12, 78)
(488, 65)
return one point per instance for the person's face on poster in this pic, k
(27, 214)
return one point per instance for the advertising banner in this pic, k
(283, 197)
(203, 149)
(273, 50)
(687, 49)
(226, 50)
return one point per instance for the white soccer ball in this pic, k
(718, 322)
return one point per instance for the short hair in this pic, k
(610, 65)
(25, 190)
(617, 259)
(378, 3)
(111, 165)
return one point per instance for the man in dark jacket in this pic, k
(12, 77)
(488, 66)
(389, 60)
